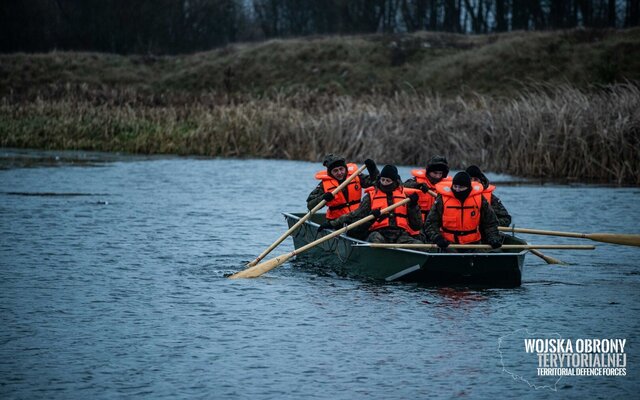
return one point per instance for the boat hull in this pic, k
(503, 269)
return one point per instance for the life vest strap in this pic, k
(459, 233)
(392, 214)
(461, 207)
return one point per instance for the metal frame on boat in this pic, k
(489, 269)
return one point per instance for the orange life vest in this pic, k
(425, 200)
(380, 200)
(487, 192)
(341, 205)
(461, 222)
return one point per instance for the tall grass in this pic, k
(546, 132)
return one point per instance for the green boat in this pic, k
(347, 256)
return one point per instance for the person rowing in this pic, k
(504, 218)
(437, 171)
(348, 199)
(461, 215)
(397, 226)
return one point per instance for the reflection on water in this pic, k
(112, 285)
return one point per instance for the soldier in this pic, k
(462, 215)
(504, 219)
(394, 227)
(348, 199)
(437, 171)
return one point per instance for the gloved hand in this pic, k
(325, 226)
(376, 213)
(441, 242)
(413, 199)
(423, 187)
(372, 169)
(328, 196)
(495, 244)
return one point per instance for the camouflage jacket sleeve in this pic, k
(433, 223)
(368, 180)
(504, 219)
(315, 197)
(488, 223)
(362, 211)
(415, 217)
(411, 183)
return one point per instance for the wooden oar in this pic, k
(546, 258)
(257, 270)
(477, 246)
(615, 238)
(306, 217)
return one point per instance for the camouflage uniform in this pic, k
(488, 222)
(391, 234)
(411, 183)
(504, 219)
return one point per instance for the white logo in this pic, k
(542, 359)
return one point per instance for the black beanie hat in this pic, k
(461, 179)
(391, 172)
(331, 161)
(475, 172)
(438, 163)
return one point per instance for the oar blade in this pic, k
(306, 217)
(262, 268)
(266, 266)
(623, 239)
(548, 259)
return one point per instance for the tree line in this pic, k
(182, 26)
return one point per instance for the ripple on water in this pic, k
(130, 298)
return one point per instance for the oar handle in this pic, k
(615, 238)
(306, 217)
(259, 269)
(542, 232)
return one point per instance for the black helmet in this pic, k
(475, 172)
(438, 163)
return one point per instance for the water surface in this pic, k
(112, 284)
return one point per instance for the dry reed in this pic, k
(548, 133)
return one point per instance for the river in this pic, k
(112, 285)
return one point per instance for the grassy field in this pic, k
(556, 105)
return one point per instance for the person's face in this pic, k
(459, 188)
(475, 179)
(385, 181)
(339, 172)
(436, 174)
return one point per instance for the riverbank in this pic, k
(506, 110)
